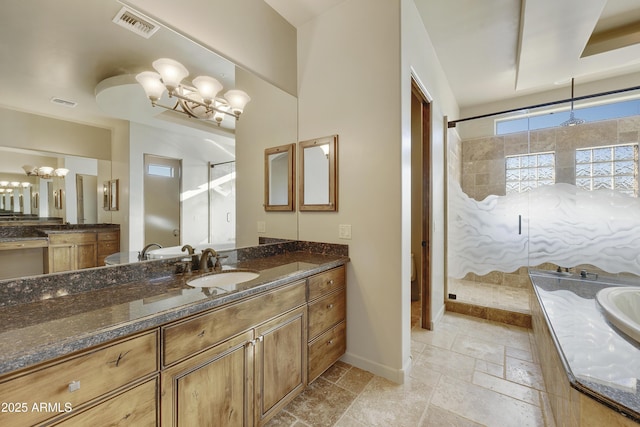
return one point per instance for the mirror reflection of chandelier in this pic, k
(199, 101)
(45, 171)
(8, 187)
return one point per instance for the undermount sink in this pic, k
(621, 307)
(224, 280)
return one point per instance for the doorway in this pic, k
(87, 198)
(162, 183)
(421, 203)
(222, 205)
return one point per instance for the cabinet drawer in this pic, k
(196, 334)
(325, 350)
(326, 312)
(326, 282)
(135, 407)
(23, 244)
(61, 239)
(81, 378)
(108, 247)
(108, 235)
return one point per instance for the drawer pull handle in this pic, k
(201, 334)
(74, 386)
(330, 282)
(329, 306)
(329, 342)
(120, 357)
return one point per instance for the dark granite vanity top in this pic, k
(66, 312)
(600, 361)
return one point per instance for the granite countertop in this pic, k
(50, 327)
(600, 361)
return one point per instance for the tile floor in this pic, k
(469, 372)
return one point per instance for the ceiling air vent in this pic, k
(63, 102)
(142, 26)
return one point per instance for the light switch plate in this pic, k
(344, 231)
(262, 227)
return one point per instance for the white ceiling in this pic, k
(495, 50)
(491, 50)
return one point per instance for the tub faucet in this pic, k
(585, 275)
(195, 261)
(142, 255)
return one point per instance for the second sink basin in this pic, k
(621, 307)
(224, 280)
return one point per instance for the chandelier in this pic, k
(199, 101)
(45, 172)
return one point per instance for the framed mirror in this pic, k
(319, 174)
(113, 195)
(279, 173)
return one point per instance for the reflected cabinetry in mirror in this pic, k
(279, 173)
(319, 174)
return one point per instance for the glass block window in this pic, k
(613, 167)
(527, 171)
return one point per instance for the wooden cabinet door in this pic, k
(60, 258)
(281, 362)
(211, 389)
(86, 255)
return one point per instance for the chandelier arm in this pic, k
(209, 107)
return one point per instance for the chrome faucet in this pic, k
(195, 262)
(142, 255)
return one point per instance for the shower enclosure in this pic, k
(525, 190)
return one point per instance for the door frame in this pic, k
(420, 92)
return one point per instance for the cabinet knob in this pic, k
(329, 342)
(330, 282)
(74, 386)
(329, 306)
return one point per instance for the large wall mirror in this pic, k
(134, 127)
(279, 173)
(319, 174)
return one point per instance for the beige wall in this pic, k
(33, 132)
(344, 58)
(271, 121)
(420, 60)
(247, 32)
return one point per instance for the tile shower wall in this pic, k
(482, 163)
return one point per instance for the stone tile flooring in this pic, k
(469, 372)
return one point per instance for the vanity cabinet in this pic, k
(98, 384)
(215, 380)
(78, 250)
(327, 320)
(70, 251)
(237, 364)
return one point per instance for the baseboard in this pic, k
(396, 375)
(438, 317)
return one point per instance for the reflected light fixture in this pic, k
(45, 172)
(572, 118)
(199, 101)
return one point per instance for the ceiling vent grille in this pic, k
(64, 102)
(128, 19)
